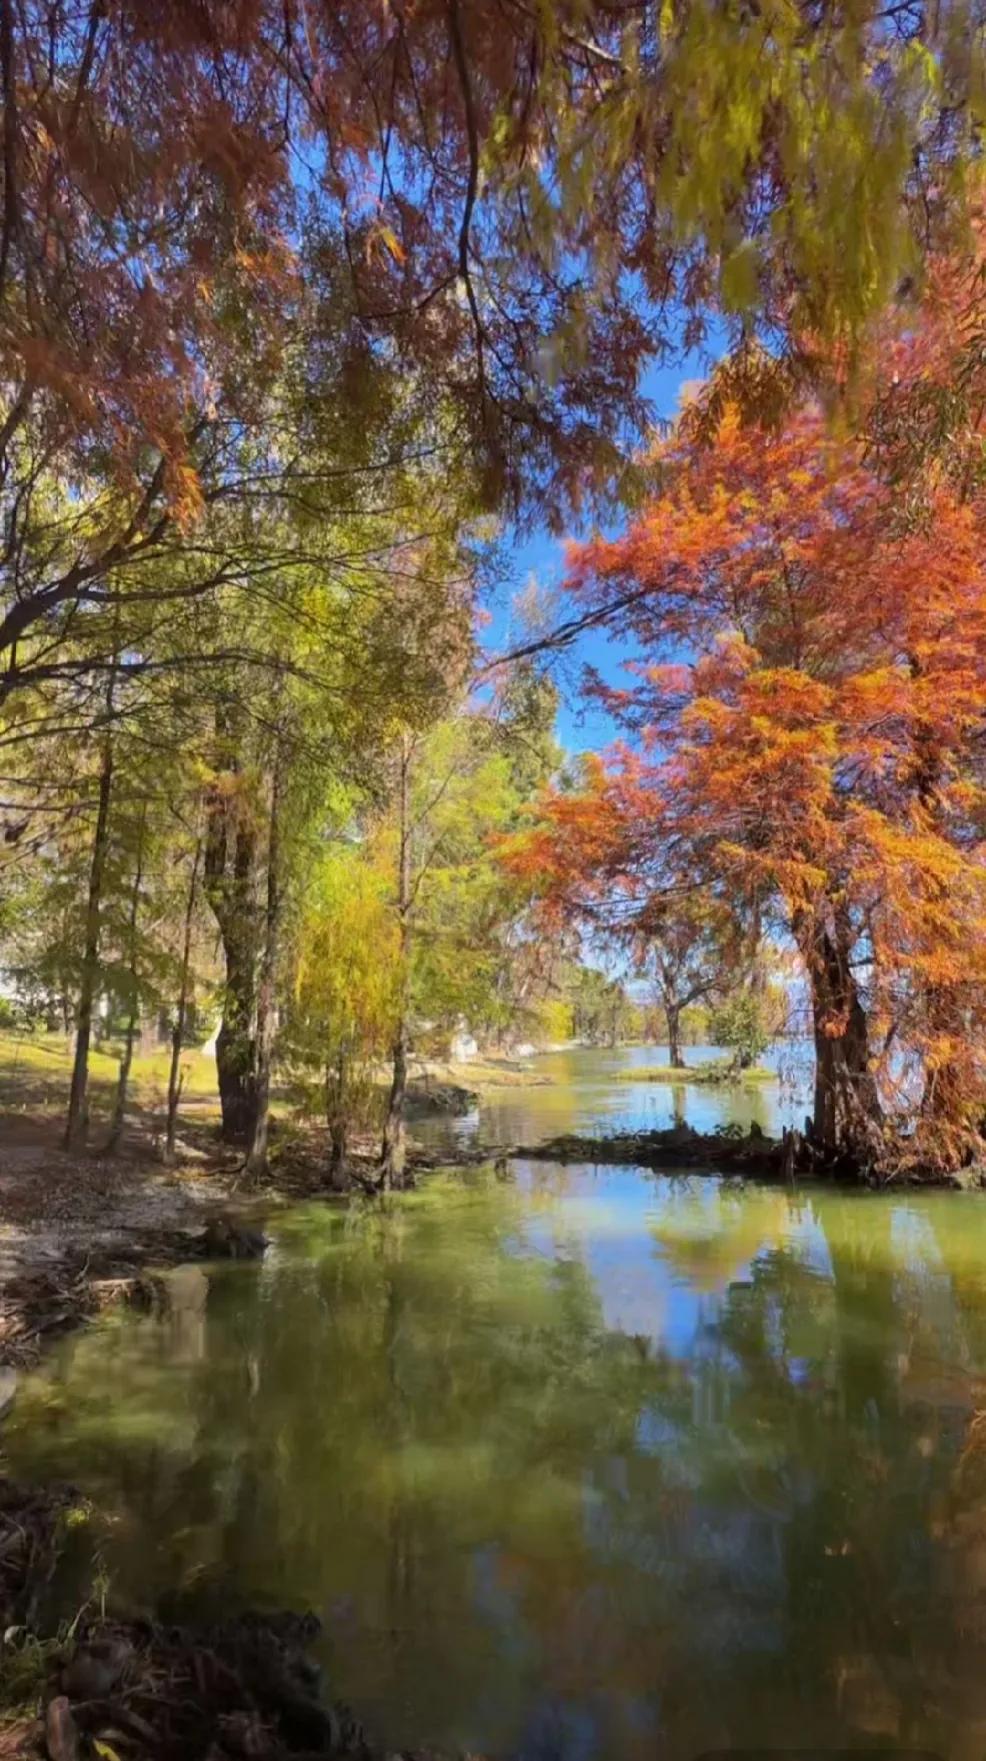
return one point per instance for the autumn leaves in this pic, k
(808, 710)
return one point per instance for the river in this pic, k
(588, 1091)
(574, 1464)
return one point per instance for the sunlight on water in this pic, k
(584, 1091)
(579, 1464)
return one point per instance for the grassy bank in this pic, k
(35, 1071)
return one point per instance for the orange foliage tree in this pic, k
(809, 711)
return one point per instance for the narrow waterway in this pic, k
(579, 1463)
(590, 1090)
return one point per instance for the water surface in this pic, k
(584, 1090)
(580, 1464)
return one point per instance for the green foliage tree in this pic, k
(342, 1010)
(739, 1023)
(459, 787)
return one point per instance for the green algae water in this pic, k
(573, 1464)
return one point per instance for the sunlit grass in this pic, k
(480, 1072)
(35, 1070)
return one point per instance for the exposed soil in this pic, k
(45, 1299)
(80, 1232)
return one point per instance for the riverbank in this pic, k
(35, 1072)
(479, 1074)
(453, 1088)
(117, 1689)
(79, 1234)
(750, 1154)
(79, 1231)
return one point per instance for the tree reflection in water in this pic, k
(583, 1466)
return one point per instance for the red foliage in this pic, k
(810, 704)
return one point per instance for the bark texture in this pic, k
(847, 1117)
(230, 881)
(77, 1120)
(181, 1010)
(256, 1162)
(393, 1154)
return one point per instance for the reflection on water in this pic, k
(577, 1465)
(584, 1093)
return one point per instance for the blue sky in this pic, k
(580, 728)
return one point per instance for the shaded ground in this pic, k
(35, 1071)
(47, 1195)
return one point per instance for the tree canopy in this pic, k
(807, 715)
(306, 312)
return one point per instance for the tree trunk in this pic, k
(847, 1114)
(336, 1121)
(76, 1123)
(229, 879)
(393, 1153)
(945, 1083)
(123, 1082)
(133, 1018)
(181, 1013)
(256, 1162)
(672, 1013)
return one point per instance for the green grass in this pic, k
(27, 1658)
(709, 1074)
(35, 1070)
(26, 1665)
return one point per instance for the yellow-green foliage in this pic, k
(471, 777)
(347, 974)
(554, 1022)
(840, 110)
